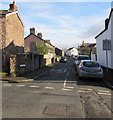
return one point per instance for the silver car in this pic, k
(89, 68)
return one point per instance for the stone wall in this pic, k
(25, 62)
(108, 75)
(13, 65)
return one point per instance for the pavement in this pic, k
(27, 76)
(108, 77)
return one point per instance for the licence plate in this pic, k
(91, 71)
(88, 70)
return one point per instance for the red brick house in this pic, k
(31, 40)
(11, 34)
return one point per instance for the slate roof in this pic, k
(91, 45)
(107, 24)
(70, 48)
(4, 12)
(39, 38)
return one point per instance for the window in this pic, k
(83, 58)
(91, 64)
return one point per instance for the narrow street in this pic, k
(57, 94)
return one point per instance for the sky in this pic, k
(66, 24)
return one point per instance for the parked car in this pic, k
(79, 58)
(90, 69)
(63, 59)
(74, 57)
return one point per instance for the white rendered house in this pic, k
(105, 35)
(72, 52)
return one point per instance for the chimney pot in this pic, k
(32, 30)
(40, 35)
(13, 6)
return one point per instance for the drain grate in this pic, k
(55, 109)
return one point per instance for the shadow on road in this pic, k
(92, 82)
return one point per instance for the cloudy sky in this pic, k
(66, 24)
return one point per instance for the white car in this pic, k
(79, 58)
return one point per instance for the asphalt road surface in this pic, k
(57, 94)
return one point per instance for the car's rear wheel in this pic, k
(80, 78)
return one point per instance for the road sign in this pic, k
(106, 44)
(33, 47)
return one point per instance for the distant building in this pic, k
(105, 34)
(84, 49)
(58, 51)
(12, 34)
(72, 51)
(92, 51)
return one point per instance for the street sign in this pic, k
(106, 44)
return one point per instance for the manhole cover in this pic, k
(55, 110)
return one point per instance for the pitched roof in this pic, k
(34, 35)
(70, 48)
(91, 45)
(39, 38)
(3, 12)
(107, 24)
(8, 12)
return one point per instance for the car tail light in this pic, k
(81, 68)
(100, 70)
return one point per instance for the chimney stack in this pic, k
(13, 6)
(40, 35)
(106, 23)
(32, 30)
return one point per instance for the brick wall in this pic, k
(2, 41)
(14, 33)
(2, 32)
(12, 39)
(29, 39)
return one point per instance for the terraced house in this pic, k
(11, 34)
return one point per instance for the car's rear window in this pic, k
(91, 64)
(83, 58)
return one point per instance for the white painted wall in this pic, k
(71, 52)
(68, 53)
(101, 54)
(93, 57)
(111, 40)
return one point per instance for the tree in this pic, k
(41, 48)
